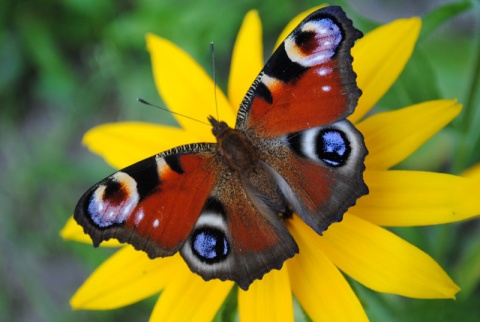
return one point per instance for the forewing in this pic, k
(152, 204)
(308, 81)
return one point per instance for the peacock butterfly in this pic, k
(223, 206)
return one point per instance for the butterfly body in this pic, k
(235, 147)
(223, 205)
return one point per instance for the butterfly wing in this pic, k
(187, 199)
(226, 222)
(236, 237)
(295, 114)
(319, 170)
(152, 204)
(308, 81)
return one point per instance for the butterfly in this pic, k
(223, 206)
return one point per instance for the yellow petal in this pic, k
(414, 198)
(186, 88)
(122, 144)
(379, 58)
(317, 284)
(392, 136)
(268, 299)
(384, 262)
(127, 277)
(247, 58)
(473, 172)
(294, 23)
(73, 231)
(189, 298)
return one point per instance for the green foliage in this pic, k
(440, 15)
(66, 66)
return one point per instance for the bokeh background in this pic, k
(68, 65)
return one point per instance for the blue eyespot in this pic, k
(333, 147)
(210, 245)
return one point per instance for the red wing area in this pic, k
(310, 101)
(261, 243)
(253, 232)
(309, 80)
(319, 196)
(153, 204)
(254, 226)
(311, 183)
(168, 214)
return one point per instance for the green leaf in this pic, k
(417, 83)
(467, 272)
(433, 19)
(229, 309)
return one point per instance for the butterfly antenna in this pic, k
(141, 100)
(212, 51)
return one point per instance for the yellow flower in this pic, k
(357, 246)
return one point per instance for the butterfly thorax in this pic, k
(236, 149)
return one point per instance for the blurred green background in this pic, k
(66, 66)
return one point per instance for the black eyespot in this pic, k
(304, 39)
(210, 245)
(112, 188)
(333, 147)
